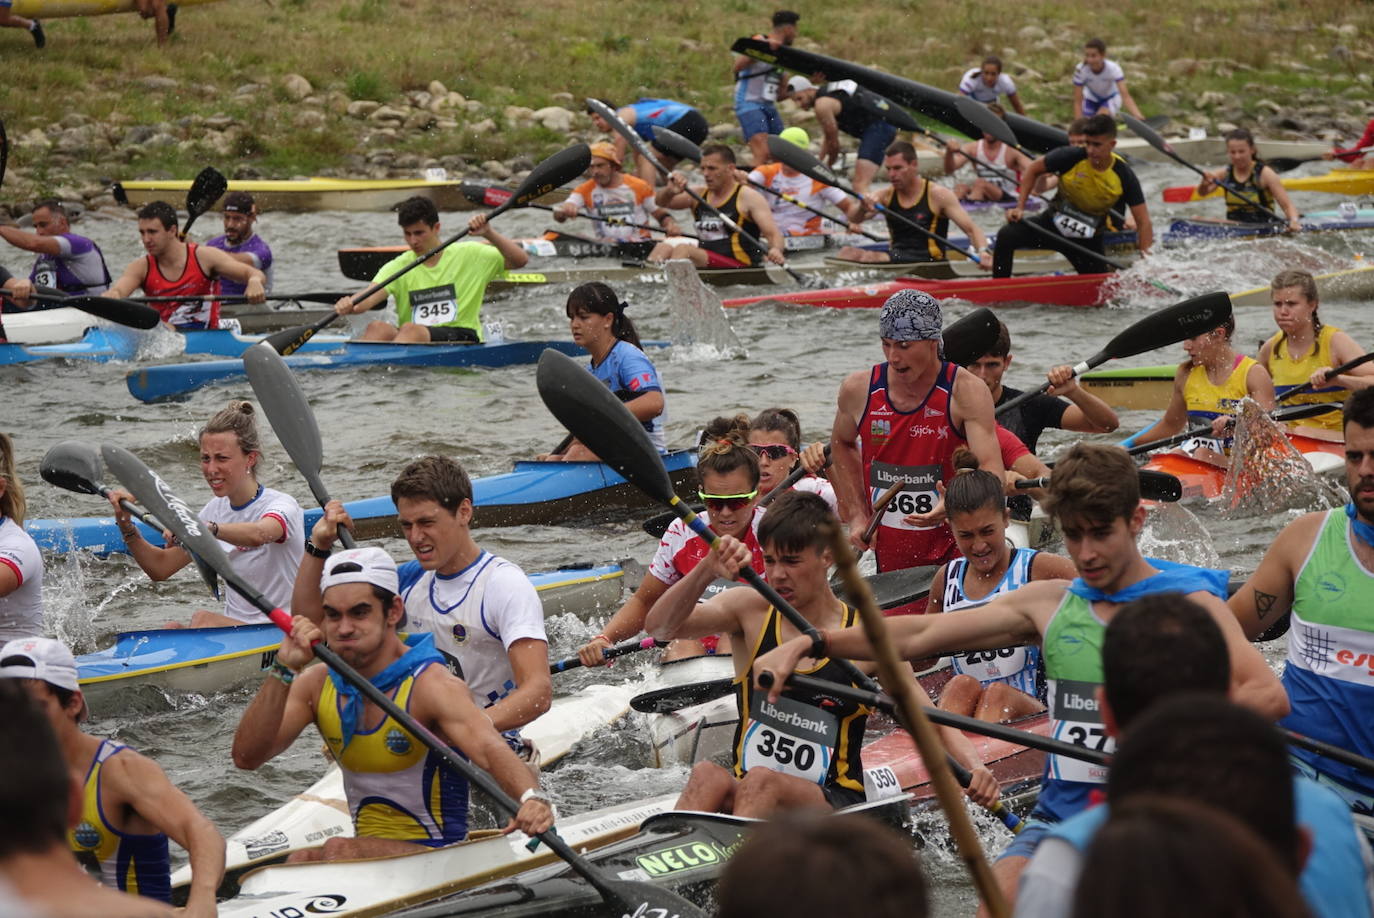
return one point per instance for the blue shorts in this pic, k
(1108, 106)
(875, 140)
(1027, 840)
(758, 118)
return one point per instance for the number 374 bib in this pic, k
(917, 496)
(790, 737)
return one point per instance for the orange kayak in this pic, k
(1203, 479)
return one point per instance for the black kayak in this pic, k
(935, 103)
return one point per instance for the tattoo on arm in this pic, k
(1264, 603)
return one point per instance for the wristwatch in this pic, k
(311, 549)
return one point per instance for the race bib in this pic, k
(992, 665)
(46, 276)
(880, 783)
(1194, 444)
(771, 84)
(434, 306)
(1077, 720)
(790, 737)
(1074, 223)
(541, 247)
(919, 495)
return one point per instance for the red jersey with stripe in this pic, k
(680, 550)
(916, 447)
(186, 314)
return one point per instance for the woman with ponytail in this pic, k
(729, 474)
(262, 530)
(600, 325)
(992, 685)
(775, 435)
(21, 564)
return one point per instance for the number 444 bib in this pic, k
(434, 306)
(789, 737)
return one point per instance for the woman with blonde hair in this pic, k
(21, 564)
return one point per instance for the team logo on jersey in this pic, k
(460, 634)
(397, 742)
(86, 835)
(1073, 639)
(879, 429)
(1331, 586)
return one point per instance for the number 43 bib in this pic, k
(434, 306)
(789, 737)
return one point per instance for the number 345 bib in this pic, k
(789, 737)
(434, 306)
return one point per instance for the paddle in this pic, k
(328, 298)
(794, 156)
(1159, 486)
(1331, 374)
(1280, 415)
(610, 653)
(495, 196)
(75, 466)
(154, 493)
(683, 148)
(206, 188)
(1159, 329)
(602, 422)
(561, 167)
(1278, 163)
(676, 697)
(880, 507)
(795, 201)
(1151, 136)
(121, 312)
(288, 411)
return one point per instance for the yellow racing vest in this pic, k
(136, 864)
(1089, 190)
(1289, 373)
(1206, 401)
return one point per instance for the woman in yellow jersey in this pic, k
(1304, 349)
(1252, 178)
(1208, 388)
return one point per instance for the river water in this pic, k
(375, 420)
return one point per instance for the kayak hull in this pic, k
(1205, 480)
(1337, 181)
(1183, 231)
(1133, 388)
(1053, 290)
(317, 193)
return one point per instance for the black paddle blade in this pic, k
(971, 336)
(1160, 486)
(563, 166)
(73, 465)
(983, 118)
(1146, 133)
(206, 188)
(676, 144)
(789, 154)
(121, 312)
(1168, 326)
(484, 194)
(676, 697)
(601, 421)
(892, 113)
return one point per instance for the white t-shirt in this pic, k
(972, 85)
(821, 486)
(271, 567)
(21, 612)
(791, 219)
(1098, 86)
(475, 616)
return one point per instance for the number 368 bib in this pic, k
(789, 737)
(919, 495)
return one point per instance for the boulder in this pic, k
(158, 83)
(485, 126)
(386, 113)
(308, 118)
(362, 108)
(518, 114)
(437, 89)
(555, 118)
(496, 169)
(296, 86)
(724, 129)
(419, 121)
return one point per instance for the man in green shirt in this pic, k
(441, 300)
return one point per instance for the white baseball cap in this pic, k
(800, 83)
(361, 565)
(39, 658)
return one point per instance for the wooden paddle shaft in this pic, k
(880, 506)
(902, 682)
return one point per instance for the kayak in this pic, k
(1322, 221)
(1355, 283)
(1053, 290)
(1337, 181)
(208, 660)
(1133, 388)
(698, 732)
(63, 323)
(59, 9)
(534, 493)
(317, 193)
(177, 380)
(112, 342)
(1203, 479)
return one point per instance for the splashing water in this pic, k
(1173, 533)
(73, 605)
(1268, 474)
(700, 330)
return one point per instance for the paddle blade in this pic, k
(676, 697)
(1160, 486)
(789, 154)
(1168, 326)
(206, 188)
(73, 465)
(484, 194)
(289, 340)
(983, 118)
(286, 407)
(601, 421)
(676, 144)
(560, 168)
(121, 312)
(971, 336)
(892, 113)
(1146, 133)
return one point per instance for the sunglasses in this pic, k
(774, 451)
(727, 501)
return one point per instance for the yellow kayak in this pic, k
(61, 9)
(312, 194)
(1337, 181)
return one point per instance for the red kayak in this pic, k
(1050, 290)
(1204, 479)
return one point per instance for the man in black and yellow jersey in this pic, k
(803, 748)
(1092, 179)
(721, 246)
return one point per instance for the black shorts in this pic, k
(840, 797)
(692, 125)
(910, 256)
(453, 333)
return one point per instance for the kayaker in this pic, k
(996, 167)
(1094, 495)
(986, 82)
(901, 421)
(442, 299)
(15, 292)
(791, 219)
(1358, 156)
(262, 529)
(842, 105)
(599, 324)
(39, 877)
(21, 563)
(1208, 388)
(728, 476)
(66, 261)
(992, 685)
(1099, 84)
(720, 246)
(1321, 346)
(777, 765)
(1318, 569)
(482, 610)
(402, 797)
(241, 240)
(775, 437)
(1253, 178)
(1158, 651)
(128, 807)
(646, 114)
(611, 193)
(1093, 179)
(9, 20)
(757, 86)
(176, 268)
(922, 202)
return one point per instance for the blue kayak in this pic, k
(105, 343)
(1323, 221)
(537, 493)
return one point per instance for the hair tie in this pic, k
(620, 308)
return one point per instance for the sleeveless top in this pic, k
(1289, 373)
(396, 787)
(1206, 400)
(1242, 211)
(916, 447)
(1330, 673)
(719, 238)
(809, 735)
(857, 108)
(1018, 667)
(983, 163)
(758, 83)
(193, 280)
(136, 864)
(910, 244)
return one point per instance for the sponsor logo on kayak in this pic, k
(690, 856)
(265, 845)
(326, 904)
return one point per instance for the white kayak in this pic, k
(699, 732)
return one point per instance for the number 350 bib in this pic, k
(789, 737)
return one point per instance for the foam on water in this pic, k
(1173, 533)
(1267, 474)
(700, 328)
